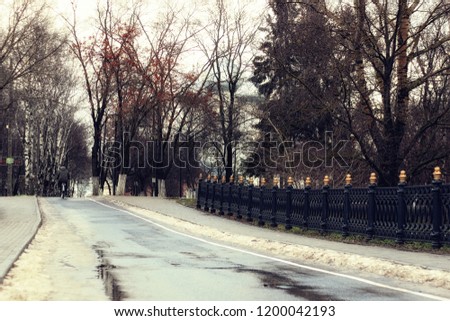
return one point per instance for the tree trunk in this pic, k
(27, 152)
(395, 122)
(121, 186)
(402, 71)
(161, 188)
(229, 161)
(359, 61)
(95, 186)
(95, 160)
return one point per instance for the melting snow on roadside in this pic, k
(58, 265)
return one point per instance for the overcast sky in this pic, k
(86, 9)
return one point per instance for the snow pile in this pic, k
(57, 265)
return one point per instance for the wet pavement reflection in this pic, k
(141, 261)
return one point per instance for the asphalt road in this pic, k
(142, 260)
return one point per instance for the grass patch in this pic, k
(188, 202)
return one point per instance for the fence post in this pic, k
(325, 206)
(306, 204)
(436, 234)
(273, 218)
(213, 186)
(230, 195)
(250, 200)
(261, 201)
(222, 185)
(371, 206)
(401, 209)
(208, 180)
(241, 181)
(347, 205)
(200, 180)
(289, 203)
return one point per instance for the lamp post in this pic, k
(436, 234)
(9, 175)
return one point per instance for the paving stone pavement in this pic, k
(19, 221)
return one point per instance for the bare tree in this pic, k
(25, 43)
(27, 47)
(382, 79)
(46, 123)
(178, 92)
(137, 87)
(228, 46)
(99, 81)
(400, 49)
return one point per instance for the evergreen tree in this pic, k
(293, 73)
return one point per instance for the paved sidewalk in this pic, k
(427, 261)
(19, 222)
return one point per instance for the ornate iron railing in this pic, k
(403, 213)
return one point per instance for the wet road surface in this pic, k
(141, 260)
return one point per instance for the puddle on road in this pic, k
(105, 273)
(280, 282)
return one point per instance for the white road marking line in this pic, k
(306, 267)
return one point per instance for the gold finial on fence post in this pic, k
(290, 181)
(308, 182)
(275, 181)
(437, 175)
(251, 180)
(231, 179)
(263, 181)
(224, 179)
(348, 179)
(373, 179)
(326, 181)
(241, 179)
(200, 177)
(402, 177)
(215, 179)
(209, 178)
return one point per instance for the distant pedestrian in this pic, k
(63, 179)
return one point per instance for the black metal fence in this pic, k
(403, 213)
